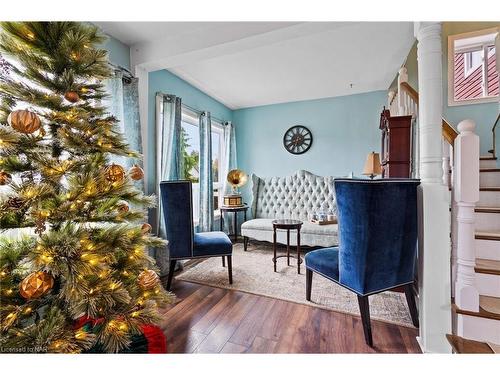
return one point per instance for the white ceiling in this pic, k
(246, 64)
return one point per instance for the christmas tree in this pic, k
(84, 257)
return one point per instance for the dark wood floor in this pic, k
(213, 320)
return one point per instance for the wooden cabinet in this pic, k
(396, 145)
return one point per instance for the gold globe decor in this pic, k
(115, 173)
(136, 172)
(148, 279)
(236, 178)
(36, 285)
(24, 121)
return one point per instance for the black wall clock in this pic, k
(297, 140)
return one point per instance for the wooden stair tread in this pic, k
(488, 210)
(491, 303)
(493, 236)
(466, 346)
(488, 266)
(489, 188)
(489, 170)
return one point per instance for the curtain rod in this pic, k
(197, 111)
(122, 69)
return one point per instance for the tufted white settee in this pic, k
(292, 197)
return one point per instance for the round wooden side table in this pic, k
(288, 225)
(234, 210)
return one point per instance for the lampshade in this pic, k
(372, 165)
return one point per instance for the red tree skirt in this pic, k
(151, 340)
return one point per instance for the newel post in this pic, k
(402, 77)
(466, 190)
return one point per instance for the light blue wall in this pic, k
(166, 82)
(118, 53)
(345, 130)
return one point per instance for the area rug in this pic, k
(253, 273)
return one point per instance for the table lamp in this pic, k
(372, 165)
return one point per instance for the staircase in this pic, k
(475, 218)
(484, 324)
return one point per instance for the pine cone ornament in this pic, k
(36, 285)
(24, 121)
(40, 224)
(15, 203)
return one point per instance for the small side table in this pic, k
(287, 224)
(234, 210)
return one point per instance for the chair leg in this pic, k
(223, 261)
(364, 308)
(171, 273)
(230, 268)
(309, 279)
(410, 299)
(245, 243)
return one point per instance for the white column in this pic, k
(466, 194)
(434, 197)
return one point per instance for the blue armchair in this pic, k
(183, 243)
(377, 242)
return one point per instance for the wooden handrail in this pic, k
(410, 91)
(448, 131)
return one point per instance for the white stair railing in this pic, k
(466, 194)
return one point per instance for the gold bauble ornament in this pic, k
(123, 208)
(24, 121)
(148, 279)
(5, 178)
(146, 228)
(72, 96)
(115, 173)
(136, 172)
(36, 284)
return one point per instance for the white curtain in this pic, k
(206, 214)
(168, 159)
(229, 162)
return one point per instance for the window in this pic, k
(191, 151)
(472, 72)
